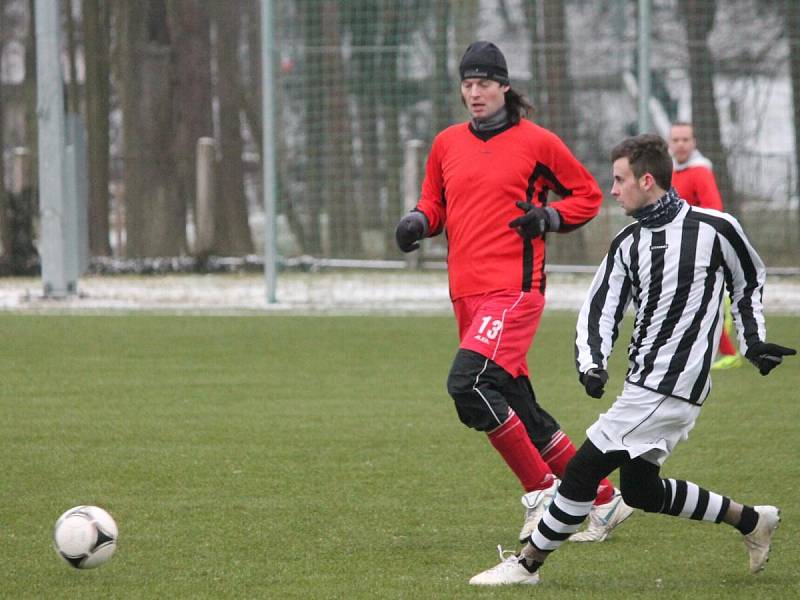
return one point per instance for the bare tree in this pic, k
(232, 230)
(2, 104)
(363, 20)
(558, 112)
(96, 27)
(190, 25)
(155, 223)
(793, 35)
(343, 214)
(531, 10)
(441, 69)
(314, 135)
(4, 221)
(699, 17)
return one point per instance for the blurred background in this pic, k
(164, 112)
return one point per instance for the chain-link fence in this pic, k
(360, 80)
(362, 87)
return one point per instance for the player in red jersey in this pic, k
(694, 181)
(487, 184)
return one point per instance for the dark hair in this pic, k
(646, 153)
(517, 106)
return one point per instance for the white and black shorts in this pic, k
(644, 423)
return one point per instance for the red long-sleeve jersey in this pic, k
(471, 188)
(697, 186)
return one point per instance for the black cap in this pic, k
(485, 61)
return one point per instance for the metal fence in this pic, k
(361, 87)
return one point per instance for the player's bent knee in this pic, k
(471, 410)
(473, 383)
(642, 487)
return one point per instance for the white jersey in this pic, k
(675, 274)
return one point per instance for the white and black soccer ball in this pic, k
(85, 536)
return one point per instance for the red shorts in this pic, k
(500, 326)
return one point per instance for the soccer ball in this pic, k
(85, 536)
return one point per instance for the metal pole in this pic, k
(643, 47)
(268, 144)
(57, 278)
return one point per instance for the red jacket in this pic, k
(471, 187)
(697, 186)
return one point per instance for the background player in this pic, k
(693, 179)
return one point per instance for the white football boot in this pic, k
(535, 503)
(603, 518)
(509, 572)
(758, 541)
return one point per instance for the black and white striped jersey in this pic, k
(675, 275)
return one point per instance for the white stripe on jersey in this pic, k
(676, 276)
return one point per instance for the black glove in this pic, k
(594, 380)
(410, 230)
(534, 222)
(767, 356)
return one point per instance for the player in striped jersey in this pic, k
(673, 263)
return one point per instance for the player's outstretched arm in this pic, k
(766, 356)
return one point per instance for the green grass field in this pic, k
(316, 457)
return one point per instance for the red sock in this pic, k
(512, 442)
(726, 347)
(559, 452)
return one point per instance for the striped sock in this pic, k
(690, 501)
(561, 520)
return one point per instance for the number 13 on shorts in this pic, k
(489, 330)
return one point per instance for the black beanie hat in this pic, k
(485, 61)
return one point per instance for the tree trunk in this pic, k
(31, 118)
(442, 80)
(559, 114)
(531, 8)
(96, 56)
(5, 236)
(155, 222)
(191, 58)
(391, 118)
(365, 81)
(311, 242)
(793, 36)
(233, 236)
(343, 215)
(699, 15)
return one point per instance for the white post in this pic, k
(270, 171)
(204, 211)
(411, 184)
(20, 170)
(58, 279)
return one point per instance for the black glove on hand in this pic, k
(767, 356)
(410, 230)
(533, 223)
(594, 380)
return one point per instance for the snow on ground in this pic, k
(342, 292)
